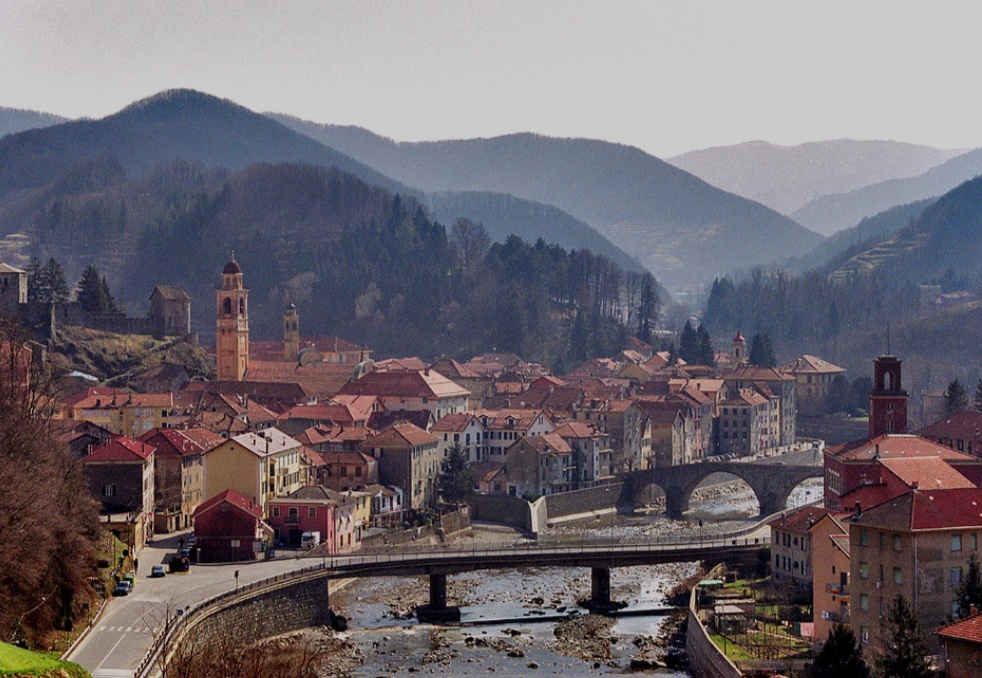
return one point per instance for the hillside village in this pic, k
(316, 435)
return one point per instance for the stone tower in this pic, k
(232, 332)
(291, 335)
(887, 400)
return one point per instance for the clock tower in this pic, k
(232, 331)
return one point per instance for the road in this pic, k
(123, 635)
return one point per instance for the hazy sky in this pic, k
(665, 76)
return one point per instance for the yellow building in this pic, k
(232, 331)
(128, 414)
(259, 465)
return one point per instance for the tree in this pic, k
(977, 401)
(689, 344)
(648, 307)
(956, 398)
(93, 292)
(762, 352)
(969, 592)
(839, 397)
(903, 653)
(707, 356)
(456, 475)
(840, 656)
(46, 283)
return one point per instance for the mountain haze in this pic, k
(833, 213)
(13, 120)
(677, 225)
(786, 178)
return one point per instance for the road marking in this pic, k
(112, 673)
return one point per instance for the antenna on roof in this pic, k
(888, 338)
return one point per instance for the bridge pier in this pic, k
(437, 611)
(600, 601)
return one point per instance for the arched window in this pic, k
(889, 381)
(241, 307)
(227, 306)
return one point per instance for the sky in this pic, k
(665, 76)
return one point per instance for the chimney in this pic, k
(914, 485)
(859, 511)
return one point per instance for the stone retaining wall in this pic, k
(705, 659)
(578, 502)
(504, 510)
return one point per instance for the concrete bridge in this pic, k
(771, 483)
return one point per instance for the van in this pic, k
(309, 540)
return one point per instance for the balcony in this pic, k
(837, 589)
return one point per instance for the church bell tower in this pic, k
(887, 400)
(232, 331)
(291, 335)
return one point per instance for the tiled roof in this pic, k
(926, 473)
(7, 268)
(961, 426)
(267, 442)
(800, 520)
(382, 420)
(320, 379)
(233, 498)
(809, 364)
(756, 373)
(324, 412)
(969, 629)
(171, 293)
(485, 471)
(548, 443)
(576, 429)
(406, 384)
(508, 419)
(410, 364)
(896, 445)
(453, 423)
(273, 350)
(101, 396)
(121, 449)
(401, 434)
(452, 369)
(923, 510)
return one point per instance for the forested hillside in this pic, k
(357, 261)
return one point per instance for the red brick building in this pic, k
(229, 527)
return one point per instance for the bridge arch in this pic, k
(772, 484)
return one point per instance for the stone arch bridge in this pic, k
(771, 483)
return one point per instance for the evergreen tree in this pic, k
(707, 356)
(839, 397)
(689, 344)
(648, 307)
(34, 277)
(969, 592)
(956, 398)
(92, 293)
(46, 283)
(904, 653)
(840, 656)
(762, 351)
(456, 476)
(111, 303)
(861, 388)
(977, 401)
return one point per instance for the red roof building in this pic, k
(961, 647)
(229, 528)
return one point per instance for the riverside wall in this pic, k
(705, 659)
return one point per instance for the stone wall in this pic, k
(282, 608)
(579, 502)
(705, 659)
(504, 510)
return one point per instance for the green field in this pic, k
(17, 662)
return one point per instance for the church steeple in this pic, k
(887, 400)
(232, 320)
(291, 334)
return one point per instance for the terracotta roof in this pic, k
(508, 419)
(121, 449)
(324, 412)
(801, 520)
(756, 373)
(383, 419)
(961, 426)
(453, 423)
(452, 369)
(101, 396)
(411, 364)
(925, 510)
(576, 429)
(485, 471)
(969, 629)
(401, 434)
(896, 445)
(177, 442)
(597, 367)
(548, 443)
(320, 379)
(267, 442)
(926, 473)
(7, 268)
(273, 350)
(809, 364)
(406, 384)
(233, 498)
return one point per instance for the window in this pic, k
(956, 576)
(956, 542)
(311, 511)
(898, 577)
(108, 490)
(276, 511)
(896, 542)
(864, 602)
(864, 537)
(864, 570)
(864, 634)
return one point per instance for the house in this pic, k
(13, 289)
(591, 448)
(961, 431)
(80, 436)
(388, 506)
(301, 512)
(424, 389)
(170, 311)
(120, 474)
(490, 477)
(745, 426)
(540, 464)
(773, 385)
(408, 458)
(258, 465)
(346, 470)
(127, 414)
(813, 378)
(463, 429)
(503, 427)
(178, 474)
(229, 528)
(829, 539)
(791, 551)
(917, 545)
(961, 647)
(346, 530)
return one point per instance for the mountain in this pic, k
(680, 227)
(832, 213)
(172, 125)
(946, 236)
(13, 120)
(786, 178)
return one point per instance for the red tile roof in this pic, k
(453, 423)
(809, 364)
(926, 473)
(800, 520)
(576, 429)
(961, 426)
(320, 379)
(401, 434)
(233, 498)
(121, 449)
(896, 445)
(969, 629)
(924, 510)
(548, 443)
(406, 384)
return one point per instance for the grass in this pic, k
(15, 661)
(733, 651)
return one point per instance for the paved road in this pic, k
(125, 631)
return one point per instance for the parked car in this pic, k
(122, 589)
(130, 579)
(157, 571)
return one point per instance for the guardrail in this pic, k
(339, 563)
